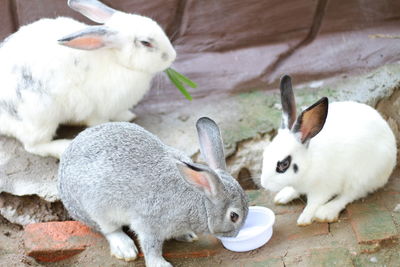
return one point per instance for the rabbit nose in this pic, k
(164, 56)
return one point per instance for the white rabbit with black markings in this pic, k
(117, 174)
(61, 71)
(333, 157)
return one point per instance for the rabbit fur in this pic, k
(332, 157)
(118, 174)
(61, 71)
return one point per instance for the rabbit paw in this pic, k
(126, 115)
(304, 219)
(122, 246)
(188, 237)
(324, 214)
(53, 148)
(158, 262)
(286, 195)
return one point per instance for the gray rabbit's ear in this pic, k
(201, 178)
(288, 102)
(91, 38)
(211, 145)
(92, 9)
(311, 121)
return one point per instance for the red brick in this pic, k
(371, 221)
(55, 241)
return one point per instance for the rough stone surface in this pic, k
(246, 163)
(28, 209)
(389, 107)
(23, 174)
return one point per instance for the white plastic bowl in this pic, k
(256, 231)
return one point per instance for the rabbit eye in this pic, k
(146, 43)
(234, 216)
(283, 165)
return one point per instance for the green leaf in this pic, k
(172, 76)
(183, 78)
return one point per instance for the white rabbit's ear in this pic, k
(311, 121)
(201, 178)
(211, 145)
(91, 38)
(92, 9)
(288, 102)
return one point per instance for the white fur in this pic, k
(76, 86)
(353, 155)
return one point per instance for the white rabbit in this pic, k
(332, 157)
(61, 71)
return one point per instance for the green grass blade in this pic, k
(183, 78)
(178, 84)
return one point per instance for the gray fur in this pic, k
(27, 81)
(10, 108)
(119, 174)
(211, 145)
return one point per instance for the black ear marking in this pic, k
(288, 102)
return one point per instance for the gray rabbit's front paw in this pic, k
(122, 246)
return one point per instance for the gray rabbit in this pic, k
(118, 174)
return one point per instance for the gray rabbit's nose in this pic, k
(227, 234)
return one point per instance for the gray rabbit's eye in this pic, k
(283, 165)
(234, 216)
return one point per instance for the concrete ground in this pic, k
(366, 235)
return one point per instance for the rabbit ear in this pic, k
(91, 38)
(311, 121)
(92, 9)
(211, 145)
(201, 178)
(288, 102)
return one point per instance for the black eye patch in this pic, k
(283, 165)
